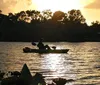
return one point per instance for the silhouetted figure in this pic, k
(40, 45)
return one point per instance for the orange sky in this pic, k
(92, 11)
(89, 8)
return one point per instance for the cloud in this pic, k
(94, 5)
(14, 5)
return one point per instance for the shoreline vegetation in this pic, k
(31, 25)
(25, 78)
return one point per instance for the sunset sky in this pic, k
(89, 8)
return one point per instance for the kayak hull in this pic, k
(30, 50)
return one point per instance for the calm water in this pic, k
(82, 63)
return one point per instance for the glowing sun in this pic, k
(54, 5)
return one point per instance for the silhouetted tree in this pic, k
(76, 16)
(31, 25)
(95, 27)
(58, 15)
(29, 13)
(95, 23)
(47, 14)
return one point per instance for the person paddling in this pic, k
(40, 45)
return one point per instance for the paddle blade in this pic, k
(33, 43)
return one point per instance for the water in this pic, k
(82, 63)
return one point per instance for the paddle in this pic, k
(54, 47)
(33, 43)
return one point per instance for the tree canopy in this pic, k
(31, 25)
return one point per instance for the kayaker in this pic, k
(40, 45)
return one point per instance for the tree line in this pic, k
(31, 25)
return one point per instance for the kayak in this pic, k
(30, 50)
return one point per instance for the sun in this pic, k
(55, 5)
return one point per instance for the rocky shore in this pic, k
(25, 78)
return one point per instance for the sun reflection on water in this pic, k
(53, 63)
(56, 66)
(53, 60)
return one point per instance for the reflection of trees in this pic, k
(32, 24)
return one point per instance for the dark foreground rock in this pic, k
(25, 78)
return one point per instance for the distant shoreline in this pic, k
(54, 41)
